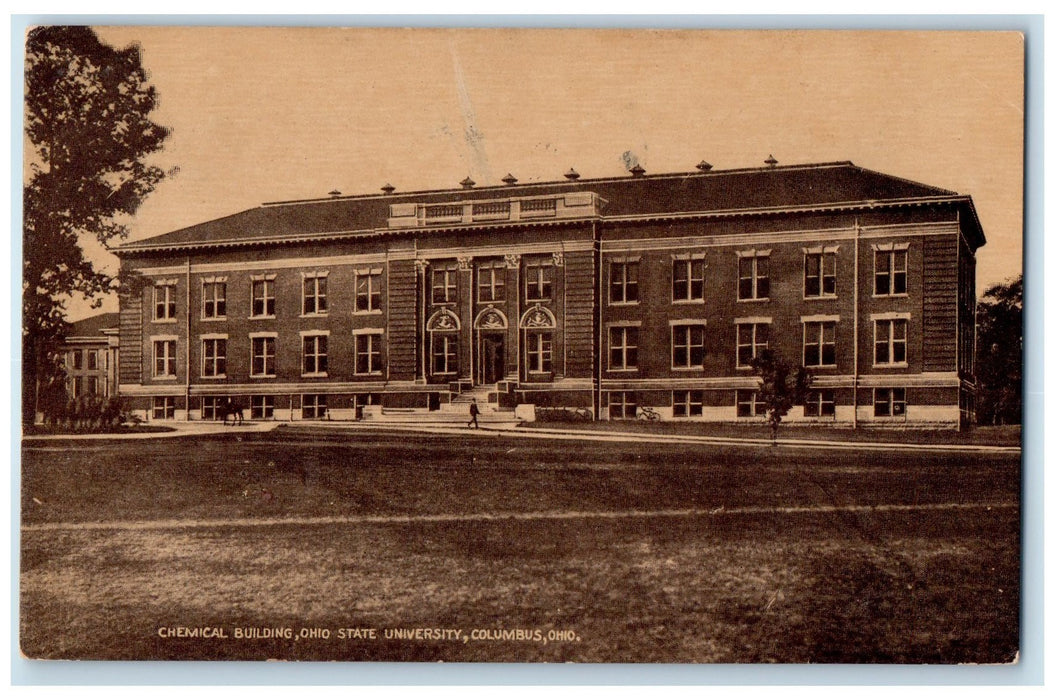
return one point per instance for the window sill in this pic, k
(821, 297)
(213, 376)
(696, 368)
(687, 301)
(538, 301)
(262, 318)
(367, 374)
(263, 376)
(310, 375)
(812, 367)
(321, 314)
(163, 320)
(369, 312)
(165, 378)
(753, 301)
(890, 296)
(892, 365)
(624, 303)
(212, 319)
(490, 301)
(622, 369)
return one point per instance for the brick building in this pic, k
(90, 355)
(614, 294)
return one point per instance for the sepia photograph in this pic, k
(521, 345)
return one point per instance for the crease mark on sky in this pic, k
(474, 138)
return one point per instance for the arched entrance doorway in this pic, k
(491, 327)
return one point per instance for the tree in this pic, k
(781, 386)
(88, 132)
(999, 355)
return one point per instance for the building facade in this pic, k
(91, 357)
(629, 296)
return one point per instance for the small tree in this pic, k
(781, 388)
(999, 354)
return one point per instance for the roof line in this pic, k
(545, 183)
(833, 206)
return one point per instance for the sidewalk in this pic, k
(513, 430)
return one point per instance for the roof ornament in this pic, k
(771, 161)
(388, 188)
(703, 166)
(509, 179)
(467, 183)
(571, 174)
(334, 193)
(637, 170)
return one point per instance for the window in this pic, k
(212, 407)
(368, 291)
(315, 294)
(214, 357)
(314, 354)
(622, 282)
(889, 402)
(368, 353)
(687, 346)
(622, 405)
(313, 406)
(818, 344)
(78, 359)
(445, 283)
(491, 281)
(539, 351)
(164, 359)
(263, 298)
(538, 280)
(93, 385)
(688, 280)
(214, 299)
(819, 274)
(164, 301)
(78, 387)
(688, 403)
(891, 341)
(754, 277)
(164, 408)
(891, 272)
(747, 404)
(262, 407)
(444, 353)
(751, 339)
(622, 347)
(820, 404)
(263, 360)
(93, 359)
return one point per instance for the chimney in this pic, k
(637, 170)
(509, 179)
(467, 183)
(703, 166)
(388, 188)
(571, 174)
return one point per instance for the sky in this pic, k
(265, 114)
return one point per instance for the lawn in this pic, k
(716, 584)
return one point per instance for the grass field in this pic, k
(730, 576)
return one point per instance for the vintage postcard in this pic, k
(522, 345)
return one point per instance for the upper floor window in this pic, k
(368, 353)
(263, 297)
(891, 341)
(368, 290)
(754, 275)
(539, 350)
(263, 360)
(819, 274)
(164, 301)
(78, 359)
(688, 280)
(214, 299)
(687, 345)
(93, 358)
(891, 271)
(622, 281)
(444, 283)
(538, 280)
(818, 343)
(314, 354)
(751, 338)
(214, 357)
(315, 293)
(622, 347)
(164, 358)
(491, 281)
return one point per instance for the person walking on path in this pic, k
(474, 411)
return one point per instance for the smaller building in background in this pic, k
(91, 356)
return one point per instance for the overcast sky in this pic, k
(272, 114)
